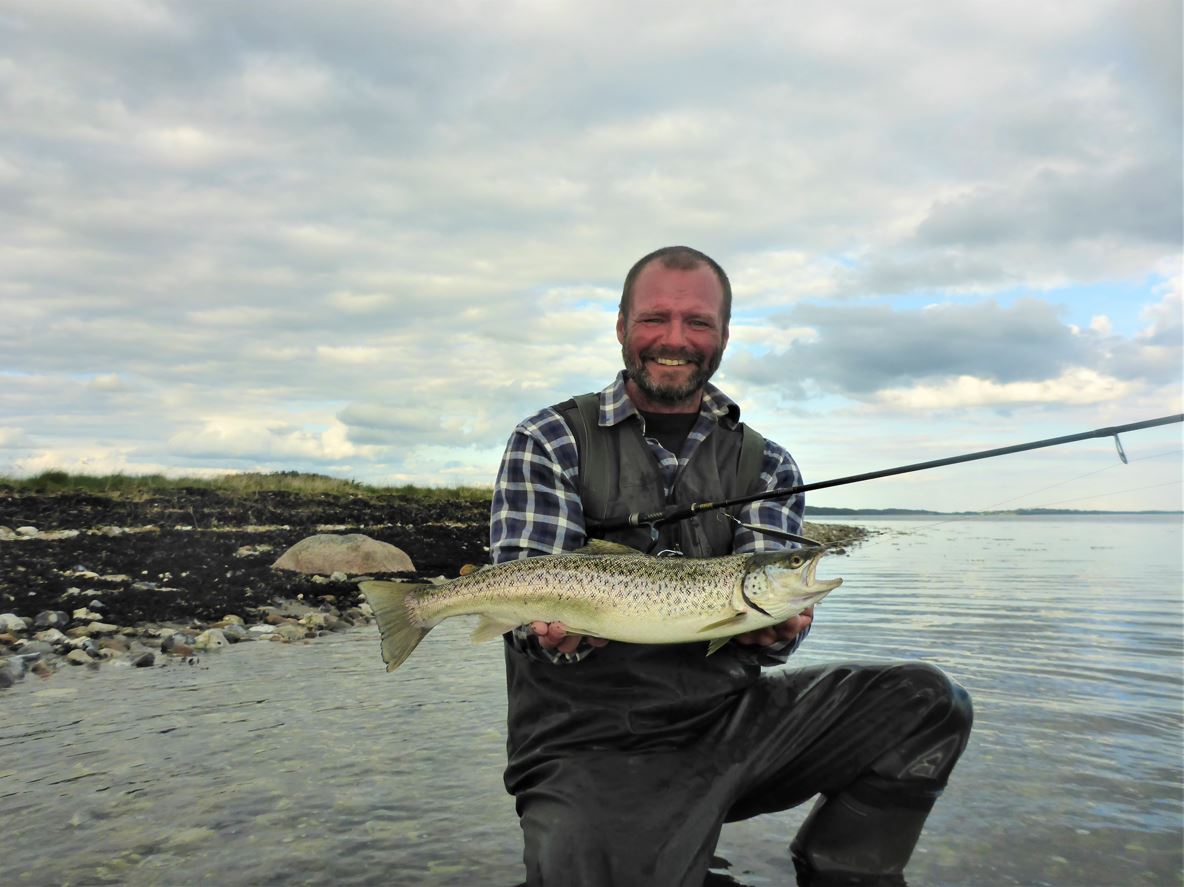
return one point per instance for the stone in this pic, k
(235, 632)
(79, 657)
(176, 643)
(211, 639)
(51, 619)
(115, 642)
(290, 631)
(26, 532)
(7, 679)
(38, 647)
(43, 669)
(144, 660)
(12, 622)
(82, 614)
(51, 636)
(351, 554)
(253, 550)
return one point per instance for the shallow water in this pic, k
(307, 764)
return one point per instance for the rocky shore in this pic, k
(148, 582)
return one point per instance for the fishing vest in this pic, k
(619, 475)
(634, 697)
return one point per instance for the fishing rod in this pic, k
(671, 513)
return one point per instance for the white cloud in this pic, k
(1076, 387)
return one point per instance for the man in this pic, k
(626, 759)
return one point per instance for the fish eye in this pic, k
(796, 560)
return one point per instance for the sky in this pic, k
(366, 239)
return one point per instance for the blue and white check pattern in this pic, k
(536, 501)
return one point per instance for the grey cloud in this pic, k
(860, 350)
(1139, 203)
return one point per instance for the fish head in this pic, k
(782, 584)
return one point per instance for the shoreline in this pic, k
(152, 581)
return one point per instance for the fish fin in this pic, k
(716, 644)
(603, 546)
(398, 633)
(720, 623)
(488, 629)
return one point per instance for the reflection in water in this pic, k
(272, 764)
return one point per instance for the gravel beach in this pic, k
(86, 578)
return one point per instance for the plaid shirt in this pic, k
(536, 501)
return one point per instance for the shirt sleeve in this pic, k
(536, 510)
(778, 471)
(536, 501)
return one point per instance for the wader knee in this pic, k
(866, 832)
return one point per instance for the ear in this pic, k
(621, 327)
(723, 340)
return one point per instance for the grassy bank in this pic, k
(245, 484)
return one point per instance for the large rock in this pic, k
(354, 554)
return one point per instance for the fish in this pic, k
(606, 590)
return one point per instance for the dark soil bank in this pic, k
(198, 554)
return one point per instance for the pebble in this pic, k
(211, 639)
(236, 632)
(290, 631)
(26, 532)
(12, 622)
(145, 660)
(79, 657)
(51, 619)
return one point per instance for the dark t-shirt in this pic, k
(670, 429)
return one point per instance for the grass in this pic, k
(245, 484)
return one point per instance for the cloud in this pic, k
(233, 438)
(972, 354)
(378, 235)
(1076, 387)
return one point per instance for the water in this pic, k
(306, 764)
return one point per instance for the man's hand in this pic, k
(785, 631)
(554, 636)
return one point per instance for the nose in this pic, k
(675, 335)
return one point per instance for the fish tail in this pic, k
(400, 635)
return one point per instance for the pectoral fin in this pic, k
(488, 629)
(733, 619)
(716, 645)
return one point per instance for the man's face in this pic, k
(674, 337)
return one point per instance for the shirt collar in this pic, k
(616, 407)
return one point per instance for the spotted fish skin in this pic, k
(607, 591)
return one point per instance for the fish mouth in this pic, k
(813, 584)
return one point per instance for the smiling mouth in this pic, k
(671, 361)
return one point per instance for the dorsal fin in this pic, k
(603, 546)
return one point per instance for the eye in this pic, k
(796, 561)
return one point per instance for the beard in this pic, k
(670, 394)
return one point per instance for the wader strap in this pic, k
(582, 415)
(752, 457)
